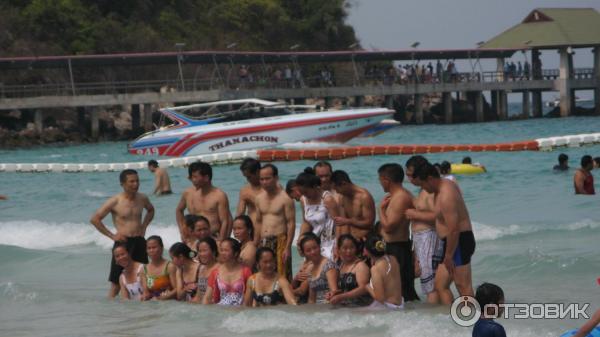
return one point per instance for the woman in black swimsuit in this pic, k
(354, 275)
(266, 287)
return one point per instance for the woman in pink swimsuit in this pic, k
(227, 282)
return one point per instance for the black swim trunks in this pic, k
(137, 249)
(464, 250)
(402, 251)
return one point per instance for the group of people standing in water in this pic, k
(349, 258)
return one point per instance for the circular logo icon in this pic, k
(465, 311)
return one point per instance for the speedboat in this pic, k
(249, 124)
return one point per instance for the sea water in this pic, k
(535, 239)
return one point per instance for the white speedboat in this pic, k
(249, 124)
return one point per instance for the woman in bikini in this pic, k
(207, 256)
(243, 231)
(187, 271)
(159, 276)
(354, 275)
(322, 283)
(266, 287)
(227, 282)
(385, 285)
(131, 286)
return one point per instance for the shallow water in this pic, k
(535, 239)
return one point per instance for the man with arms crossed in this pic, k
(162, 183)
(204, 199)
(357, 206)
(250, 168)
(426, 241)
(275, 219)
(394, 225)
(453, 226)
(126, 209)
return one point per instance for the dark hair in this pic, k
(121, 245)
(597, 160)
(562, 158)
(488, 293)
(211, 243)
(338, 177)
(251, 165)
(425, 170)
(200, 218)
(415, 161)
(201, 167)
(190, 220)
(310, 236)
(248, 223)
(393, 172)
(152, 163)
(445, 167)
(375, 245)
(346, 237)
(323, 164)
(273, 168)
(467, 160)
(125, 173)
(261, 251)
(181, 249)
(235, 245)
(157, 239)
(586, 160)
(308, 179)
(290, 185)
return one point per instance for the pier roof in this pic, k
(241, 57)
(551, 28)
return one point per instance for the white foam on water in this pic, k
(34, 234)
(95, 194)
(485, 232)
(13, 292)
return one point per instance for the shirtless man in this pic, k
(394, 225)
(247, 205)
(162, 183)
(583, 179)
(424, 236)
(202, 198)
(323, 170)
(126, 209)
(357, 207)
(275, 220)
(454, 228)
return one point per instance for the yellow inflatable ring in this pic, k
(466, 169)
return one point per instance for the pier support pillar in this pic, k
(447, 99)
(479, 117)
(135, 117)
(419, 118)
(147, 117)
(536, 64)
(536, 103)
(81, 119)
(389, 101)
(359, 101)
(95, 116)
(328, 102)
(38, 121)
(494, 98)
(501, 104)
(564, 83)
(526, 104)
(597, 77)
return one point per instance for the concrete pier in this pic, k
(147, 117)
(526, 105)
(419, 117)
(389, 101)
(501, 105)
(95, 114)
(564, 83)
(479, 117)
(135, 117)
(359, 101)
(38, 121)
(81, 118)
(536, 103)
(447, 101)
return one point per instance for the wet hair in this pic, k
(597, 160)
(248, 223)
(488, 293)
(416, 161)
(251, 165)
(347, 237)
(121, 245)
(289, 186)
(323, 164)
(123, 175)
(562, 158)
(393, 172)
(273, 168)
(586, 160)
(201, 167)
(425, 170)
(338, 177)
(181, 249)
(192, 219)
(310, 236)
(308, 179)
(152, 163)
(467, 160)
(438, 167)
(235, 245)
(158, 239)
(445, 167)
(261, 251)
(375, 245)
(211, 243)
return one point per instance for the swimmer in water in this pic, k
(243, 231)
(489, 294)
(208, 253)
(159, 276)
(187, 271)
(563, 163)
(357, 205)
(227, 282)
(291, 188)
(583, 179)
(250, 169)
(162, 183)
(354, 275)
(266, 287)
(129, 280)
(385, 286)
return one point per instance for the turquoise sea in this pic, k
(535, 239)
